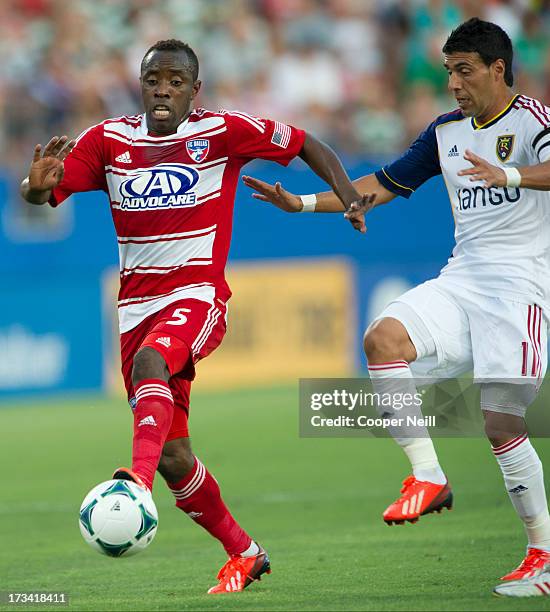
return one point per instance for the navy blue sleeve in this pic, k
(414, 167)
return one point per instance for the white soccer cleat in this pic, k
(536, 586)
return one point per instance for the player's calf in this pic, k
(504, 406)
(198, 494)
(177, 459)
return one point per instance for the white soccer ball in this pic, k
(118, 518)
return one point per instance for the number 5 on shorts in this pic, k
(178, 317)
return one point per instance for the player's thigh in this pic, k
(185, 332)
(437, 326)
(509, 341)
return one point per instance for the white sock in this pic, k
(524, 481)
(251, 551)
(396, 377)
(423, 458)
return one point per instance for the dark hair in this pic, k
(176, 46)
(485, 38)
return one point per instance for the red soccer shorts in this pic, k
(183, 333)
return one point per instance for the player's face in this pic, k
(473, 84)
(167, 89)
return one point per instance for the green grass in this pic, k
(315, 504)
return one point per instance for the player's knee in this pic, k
(387, 340)
(500, 428)
(504, 406)
(177, 460)
(149, 363)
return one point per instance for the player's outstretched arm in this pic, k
(46, 170)
(326, 164)
(327, 201)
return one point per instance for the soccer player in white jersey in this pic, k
(488, 309)
(171, 176)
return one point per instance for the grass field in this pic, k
(315, 504)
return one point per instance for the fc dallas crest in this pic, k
(198, 149)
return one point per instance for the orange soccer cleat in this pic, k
(535, 560)
(418, 498)
(239, 572)
(123, 473)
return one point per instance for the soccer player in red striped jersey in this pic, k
(171, 176)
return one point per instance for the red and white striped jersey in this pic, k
(172, 199)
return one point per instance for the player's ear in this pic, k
(499, 68)
(196, 88)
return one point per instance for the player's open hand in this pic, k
(275, 194)
(482, 170)
(47, 168)
(357, 211)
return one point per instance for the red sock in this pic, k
(198, 495)
(152, 419)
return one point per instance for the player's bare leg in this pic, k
(197, 493)
(522, 472)
(389, 351)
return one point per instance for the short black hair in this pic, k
(487, 39)
(176, 46)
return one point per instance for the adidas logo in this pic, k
(148, 420)
(124, 158)
(115, 507)
(194, 515)
(453, 152)
(165, 341)
(518, 489)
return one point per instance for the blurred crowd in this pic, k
(364, 75)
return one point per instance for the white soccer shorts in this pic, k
(456, 331)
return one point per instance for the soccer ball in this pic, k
(118, 518)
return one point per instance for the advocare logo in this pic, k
(164, 186)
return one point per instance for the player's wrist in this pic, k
(309, 202)
(33, 195)
(513, 177)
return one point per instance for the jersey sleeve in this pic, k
(418, 164)
(84, 167)
(254, 138)
(539, 135)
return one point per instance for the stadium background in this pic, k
(365, 76)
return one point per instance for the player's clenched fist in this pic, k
(46, 169)
(356, 212)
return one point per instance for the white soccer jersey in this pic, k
(502, 234)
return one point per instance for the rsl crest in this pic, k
(198, 149)
(505, 144)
